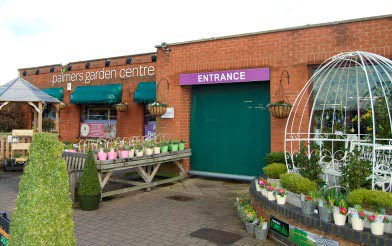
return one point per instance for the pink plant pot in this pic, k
(102, 156)
(70, 150)
(124, 153)
(112, 155)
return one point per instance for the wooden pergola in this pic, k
(20, 90)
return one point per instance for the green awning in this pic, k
(57, 92)
(98, 94)
(145, 92)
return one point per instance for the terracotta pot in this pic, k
(102, 156)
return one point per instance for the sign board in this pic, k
(98, 130)
(298, 235)
(149, 129)
(169, 113)
(224, 77)
(4, 229)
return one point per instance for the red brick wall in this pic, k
(293, 50)
(130, 122)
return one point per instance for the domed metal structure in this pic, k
(346, 104)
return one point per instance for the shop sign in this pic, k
(98, 130)
(169, 113)
(223, 77)
(300, 236)
(104, 73)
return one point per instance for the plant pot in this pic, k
(89, 203)
(139, 153)
(157, 110)
(250, 228)
(102, 156)
(121, 107)
(112, 155)
(164, 149)
(131, 153)
(281, 200)
(157, 150)
(148, 151)
(264, 192)
(357, 223)
(181, 146)
(173, 147)
(271, 196)
(339, 219)
(377, 228)
(124, 153)
(279, 111)
(307, 207)
(325, 214)
(261, 234)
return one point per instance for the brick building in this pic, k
(229, 128)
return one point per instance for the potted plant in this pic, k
(157, 108)
(124, 153)
(357, 218)
(340, 213)
(131, 150)
(281, 196)
(377, 222)
(164, 146)
(148, 148)
(157, 149)
(173, 145)
(139, 149)
(102, 154)
(280, 109)
(112, 154)
(324, 210)
(263, 183)
(89, 190)
(271, 193)
(307, 204)
(181, 145)
(250, 216)
(257, 185)
(261, 230)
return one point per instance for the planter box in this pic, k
(293, 199)
(387, 226)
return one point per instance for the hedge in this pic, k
(371, 199)
(275, 157)
(296, 183)
(274, 170)
(43, 211)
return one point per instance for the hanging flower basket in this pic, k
(279, 110)
(62, 105)
(121, 107)
(157, 108)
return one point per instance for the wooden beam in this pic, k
(57, 123)
(4, 104)
(40, 116)
(34, 106)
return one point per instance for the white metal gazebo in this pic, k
(346, 104)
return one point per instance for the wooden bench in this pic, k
(75, 165)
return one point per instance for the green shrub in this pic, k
(275, 157)
(89, 182)
(371, 199)
(274, 170)
(297, 184)
(43, 212)
(309, 166)
(355, 172)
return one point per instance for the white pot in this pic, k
(157, 150)
(264, 192)
(148, 151)
(258, 187)
(132, 153)
(139, 153)
(270, 196)
(281, 200)
(377, 228)
(357, 223)
(339, 219)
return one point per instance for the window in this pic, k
(98, 112)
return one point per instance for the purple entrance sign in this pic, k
(222, 77)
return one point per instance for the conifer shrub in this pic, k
(89, 182)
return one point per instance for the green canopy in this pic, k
(57, 92)
(98, 94)
(145, 92)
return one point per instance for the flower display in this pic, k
(263, 183)
(374, 218)
(342, 211)
(308, 198)
(281, 192)
(270, 188)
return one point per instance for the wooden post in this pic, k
(40, 116)
(57, 123)
(35, 121)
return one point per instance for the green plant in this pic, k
(274, 170)
(47, 124)
(89, 182)
(275, 157)
(43, 213)
(355, 172)
(12, 117)
(296, 183)
(309, 164)
(371, 199)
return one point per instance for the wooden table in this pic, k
(145, 166)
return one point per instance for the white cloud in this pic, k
(42, 32)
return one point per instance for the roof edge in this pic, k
(281, 30)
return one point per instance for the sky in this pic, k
(44, 32)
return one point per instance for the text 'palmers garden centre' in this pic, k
(304, 114)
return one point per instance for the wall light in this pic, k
(107, 63)
(24, 73)
(69, 67)
(37, 72)
(51, 69)
(153, 58)
(87, 65)
(128, 60)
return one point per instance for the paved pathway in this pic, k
(164, 216)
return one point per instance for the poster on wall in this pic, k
(98, 130)
(149, 129)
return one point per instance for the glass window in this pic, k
(98, 112)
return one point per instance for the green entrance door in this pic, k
(230, 129)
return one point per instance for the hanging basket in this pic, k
(157, 108)
(62, 105)
(121, 107)
(279, 110)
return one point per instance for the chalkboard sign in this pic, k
(279, 226)
(4, 228)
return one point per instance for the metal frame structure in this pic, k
(346, 104)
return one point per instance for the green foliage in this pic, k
(11, 117)
(371, 199)
(355, 172)
(275, 157)
(89, 182)
(47, 124)
(43, 213)
(296, 183)
(309, 165)
(274, 170)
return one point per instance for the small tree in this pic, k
(355, 172)
(43, 213)
(89, 182)
(309, 164)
